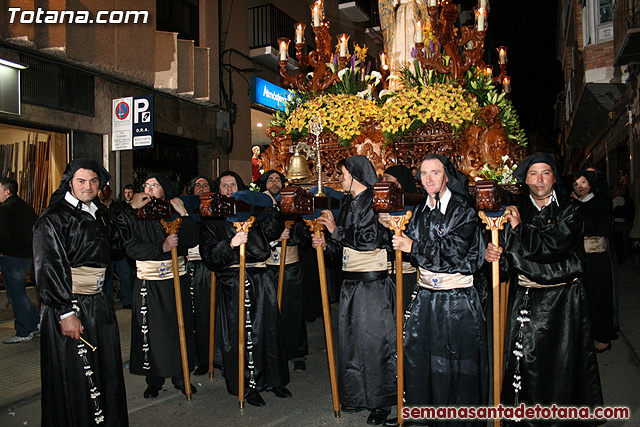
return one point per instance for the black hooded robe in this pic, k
(366, 316)
(266, 363)
(558, 363)
(79, 387)
(446, 355)
(599, 271)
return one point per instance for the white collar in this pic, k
(553, 198)
(444, 201)
(587, 197)
(91, 209)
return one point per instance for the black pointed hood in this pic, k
(170, 188)
(361, 170)
(192, 184)
(457, 181)
(72, 167)
(405, 178)
(239, 181)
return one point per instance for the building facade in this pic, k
(599, 47)
(196, 58)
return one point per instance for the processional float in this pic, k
(452, 51)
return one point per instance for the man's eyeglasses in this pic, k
(151, 186)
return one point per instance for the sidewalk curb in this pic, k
(635, 354)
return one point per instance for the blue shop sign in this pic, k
(267, 94)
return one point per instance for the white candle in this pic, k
(343, 47)
(483, 4)
(283, 51)
(299, 33)
(481, 20)
(434, 3)
(316, 15)
(503, 55)
(506, 84)
(418, 34)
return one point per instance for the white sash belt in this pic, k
(595, 244)
(193, 254)
(443, 281)
(292, 255)
(407, 268)
(261, 264)
(364, 261)
(528, 283)
(87, 280)
(159, 270)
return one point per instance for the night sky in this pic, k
(529, 31)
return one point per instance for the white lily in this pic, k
(377, 76)
(341, 73)
(331, 66)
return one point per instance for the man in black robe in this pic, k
(446, 362)
(292, 310)
(549, 354)
(72, 241)
(266, 364)
(155, 343)
(200, 285)
(366, 318)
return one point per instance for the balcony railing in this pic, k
(626, 19)
(268, 23)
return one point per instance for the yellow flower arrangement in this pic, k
(340, 114)
(413, 106)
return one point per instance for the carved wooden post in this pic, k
(283, 256)
(242, 226)
(172, 228)
(494, 224)
(317, 228)
(398, 223)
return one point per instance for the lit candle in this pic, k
(284, 47)
(483, 4)
(434, 3)
(481, 26)
(343, 42)
(506, 84)
(317, 13)
(299, 33)
(418, 34)
(488, 71)
(383, 61)
(502, 53)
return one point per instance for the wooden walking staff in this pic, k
(172, 227)
(283, 256)
(242, 226)
(387, 197)
(212, 321)
(317, 228)
(490, 198)
(398, 223)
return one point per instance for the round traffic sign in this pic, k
(122, 110)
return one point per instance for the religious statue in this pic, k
(397, 19)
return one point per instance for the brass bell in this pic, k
(298, 169)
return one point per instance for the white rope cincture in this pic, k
(145, 327)
(248, 326)
(88, 372)
(523, 318)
